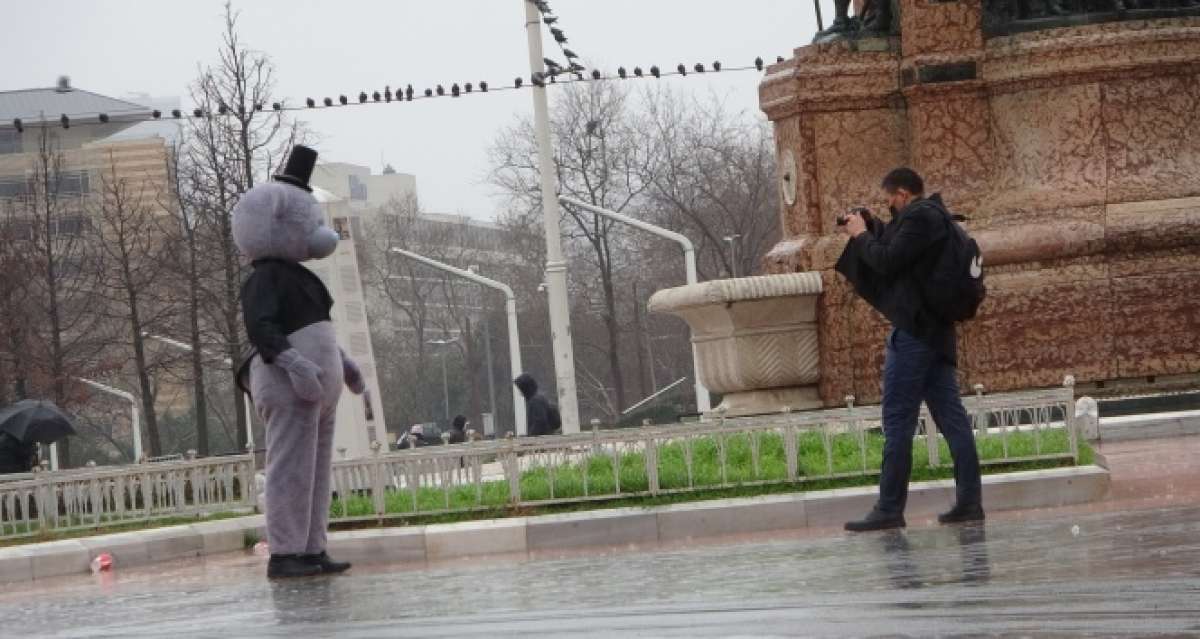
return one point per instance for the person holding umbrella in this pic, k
(24, 425)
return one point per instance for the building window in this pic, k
(13, 186)
(358, 190)
(73, 183)
(74, 225)
(10, 141)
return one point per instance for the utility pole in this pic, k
(556, 266)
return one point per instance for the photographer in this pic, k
(890, 266)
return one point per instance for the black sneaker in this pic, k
(327, 565)
(288, 566)
(962, 514)
(877, 520)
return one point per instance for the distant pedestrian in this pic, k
(541, 417)
(458, 429)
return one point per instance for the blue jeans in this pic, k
(913, 372)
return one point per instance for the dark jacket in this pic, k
(458, 430)
(16, 457)
(888, 264)
(541, 417)
(278, 299)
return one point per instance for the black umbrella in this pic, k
(31, 420)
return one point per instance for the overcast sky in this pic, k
(320, 48)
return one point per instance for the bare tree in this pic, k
(602, 158)
(430, 303)
(134, 245)
(189, 268)
(72, 337)
(714, 178)
(17, 315)
(240, 138)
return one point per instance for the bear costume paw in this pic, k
(303, 373)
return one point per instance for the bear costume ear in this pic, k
(299, 167)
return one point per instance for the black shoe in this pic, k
(876, 520)
(327, 565)
(288, 566)
(961, 514)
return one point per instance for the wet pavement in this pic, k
(1129, 567)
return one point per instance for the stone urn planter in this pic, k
(755, 339)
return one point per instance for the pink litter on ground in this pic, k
(102, 562)
(261, 549)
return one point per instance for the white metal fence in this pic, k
(101, 496)
(1011, 428)
(789, 448)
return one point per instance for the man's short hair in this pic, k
(903, 178)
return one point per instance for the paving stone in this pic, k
(491, 537)
(57, 558)
(389, 545)
(228, 535)
(127, 549)
(616, 527)
(731, 517)
(16, 565)
(836, 507)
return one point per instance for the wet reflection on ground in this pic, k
(1101, 573)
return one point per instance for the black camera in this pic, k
(862, 211)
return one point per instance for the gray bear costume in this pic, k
(297, 370)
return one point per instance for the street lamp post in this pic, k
(184, 346)
(445, 382)
(487, 349)
(703, 402)
(137, 428)
(510, 310)
(556, 266)
(734, 241)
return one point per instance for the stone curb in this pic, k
(614, 527)
(1149, 426)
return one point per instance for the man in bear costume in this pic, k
(296, 370)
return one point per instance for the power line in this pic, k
(387, 96)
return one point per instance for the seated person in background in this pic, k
(414, 438)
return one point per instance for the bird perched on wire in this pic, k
(558, 34)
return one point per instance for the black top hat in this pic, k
(299, 167)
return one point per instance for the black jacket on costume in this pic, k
(888, 264)
(278, 299)
(541, 417)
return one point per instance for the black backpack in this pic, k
(955, 289)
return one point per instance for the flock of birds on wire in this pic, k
(571, 72)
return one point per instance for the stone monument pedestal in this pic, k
(755, 339)
(1074, 151)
